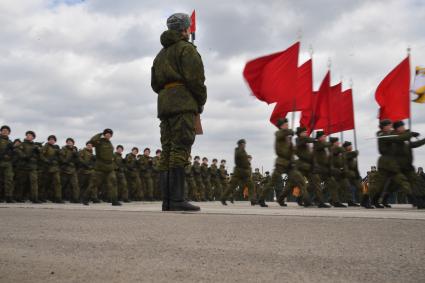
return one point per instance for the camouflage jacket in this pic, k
(131, 163)
(6, 149)
(70, 159)
(196, 169)
(145, 165)
(28, 153)
(50, 156)
(283, 147)
(304, 153)
(119, 163)
(178, 62)
(214, 171)
(104, 153)
(242, 164)
(87, 161)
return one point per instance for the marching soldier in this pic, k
(69, 160)
(179, 82)
(51, 185)
(241, 175)
(223, 178)
(86, 176)
(155, 174)
(215, 180)
(323, 162)
(285, 165)
(306, 165)
(196, 170)
(6, 166)
(119, 166)
(28, 153)
(133, 176)
(145, 162)
(205, 174)
(256, 178)
(190, 186)
(104, 167)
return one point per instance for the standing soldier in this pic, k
(257, 178)
(119, 166)
(223, 177)
(6, 166)
(155, 175)
(241, 175)
(190, 189)
(179, 82)
(323, 161)
(215, 180)
(285, 164)
(145, 163)
(196, 170)
(28, 153)
(353, 174)
(133, 176)
(306, 166)
(86, 176)
(69, 178)
(205, 174)
(16, 169)
(104, 167)
(51, 185)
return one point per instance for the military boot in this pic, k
(366, 202)
(262, 203)
(323, 205)
(352, 204)
(375, 202)
(163, 186)
(385, 200)
(176, 191)
(10, 200)
(338, 204)
(281, 199)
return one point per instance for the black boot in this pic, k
(59, 201)
(281, 199)
(375, 202)
(116, 203)
(223, 202)
(366, 202)
(419, 202)
(176, 191)
(262, 203)
(352, 204)
(385, 200)
(323, 205)
(254, 202)
(338, 204)
(300, 201)
(163, 186)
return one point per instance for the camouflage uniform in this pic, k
(339, 171)
(119, 166)
(6, 168)
(215, 182)
(205, 174)
(51, 185)
(86, 176)
(133, 177)
(155, 178)
(69, 160)
(223, 178)
(352, 173)
(28, 153)
(200, 189)
(256, 178)
(104, 167)
(190, 189)
(145, 163)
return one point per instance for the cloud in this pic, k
(74, 68)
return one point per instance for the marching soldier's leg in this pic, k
(33, 178)
(124, 188)
(8, 183)
(75, 188)
(19, 185)
(111, 184)
(333, 188)
(57, 188)
(229, 190)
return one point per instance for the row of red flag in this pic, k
(277, 78)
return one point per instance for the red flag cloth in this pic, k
(306, 115)
(334, 109)
(347, 108)
(342, 110)
(303, 98)
(273, 78)
(393, 95)
(322, 104)
(193, 22)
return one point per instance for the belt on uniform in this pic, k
(173, 84)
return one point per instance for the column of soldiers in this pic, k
(39, 172)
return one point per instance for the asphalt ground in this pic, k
(238, 243)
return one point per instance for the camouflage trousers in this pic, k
(331, 187)
(207, 188)
(177, 138)
(217, 188)
(70, 186)
(384, 178)
(242, 182)
(26, 179)
(200, 189)
(88, 187)
(122, 188)
(51, 187)
(190, 189)
(147, 185)
(134, 186)
(108, 180)
(6, 179)
(314, 187)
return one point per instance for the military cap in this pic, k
(120, 146)
(52, 137)
(398, 124)
(89, 142)
(197, 157)
(5, 127)
(215, 160)
(147, 149)
(384, 123)
(204, 158)
(178, 22)
(319, 134)
(280, 122)
(346, 144)
(70, 139)
(333, 139)
(135, 148)
(108, 131)
(30, 133)
(158, 151)
(249, 156)
(16, 140)
(241, 141)
(267, 172)
(301, 130)
(223, 160)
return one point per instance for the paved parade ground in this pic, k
(237, 243)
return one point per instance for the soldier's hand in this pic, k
(415, 134)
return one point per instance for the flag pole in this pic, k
(354, 120)
(294, 104)
(312, 106)
(339, 113)
(410, 101)
(329, 116)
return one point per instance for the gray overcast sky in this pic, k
(73, 68)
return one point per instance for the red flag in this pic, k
(322, 104)
(303, 98)
(273, 78)
(392, 94)
(193, 22)
(347, 108)
(334, 107)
